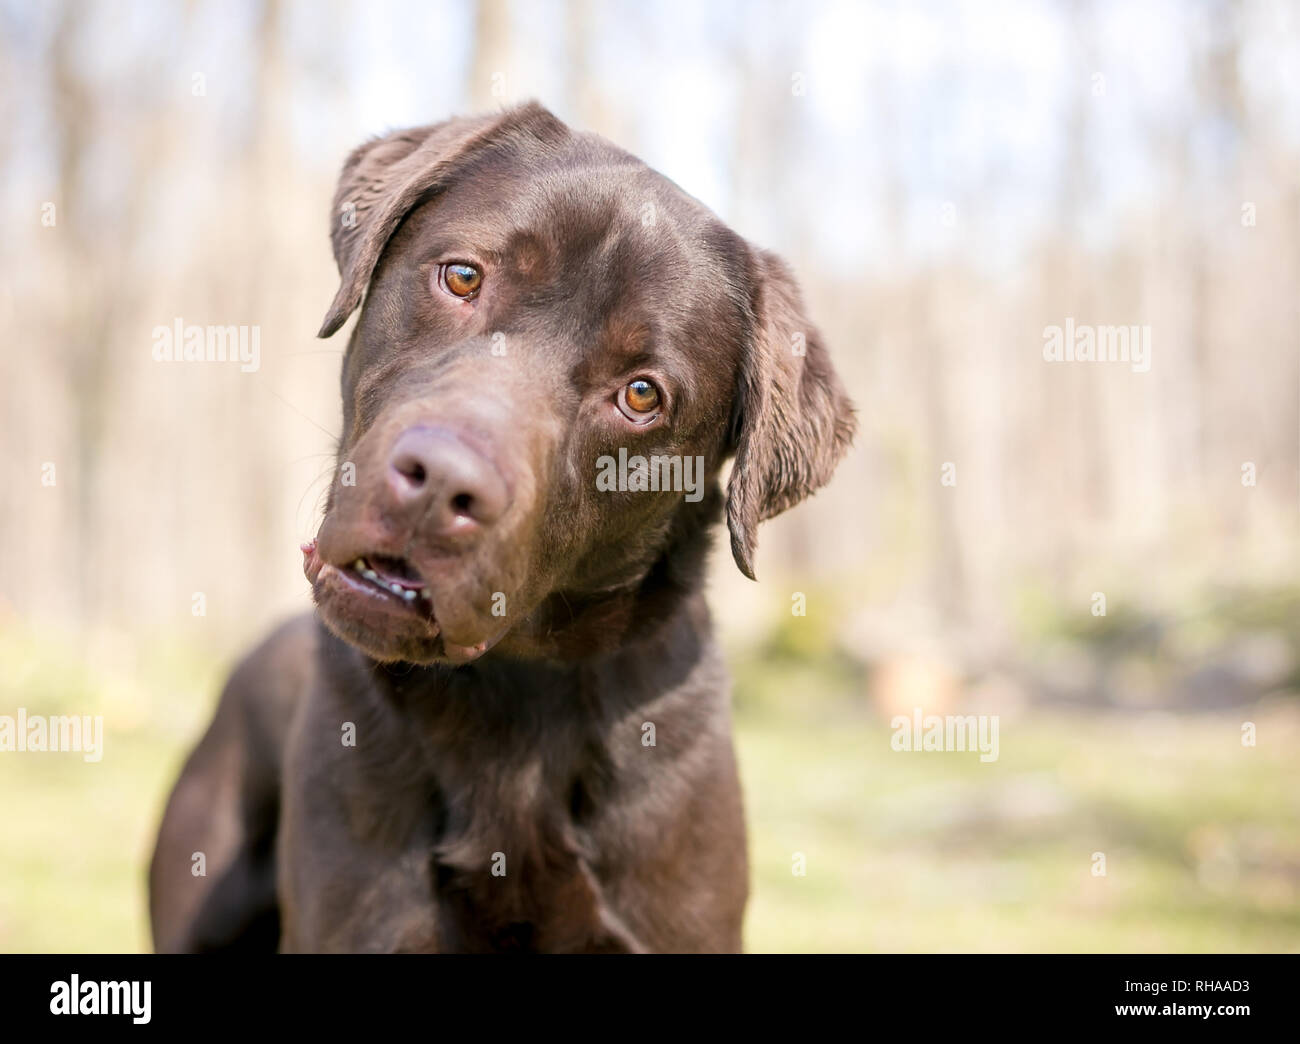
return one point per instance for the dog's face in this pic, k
(557, 352)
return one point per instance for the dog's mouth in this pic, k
(385, 606)
(388, 580)
(395, 577)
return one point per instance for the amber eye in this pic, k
(461, 280)
(639, 397)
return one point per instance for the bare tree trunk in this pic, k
(490, 84)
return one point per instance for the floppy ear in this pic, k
(384, 178)
(792, 421)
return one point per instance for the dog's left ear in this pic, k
(791, 421)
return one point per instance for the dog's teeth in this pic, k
(359, 565)
(396, 589)
(370, 574)
(426, 596)
(409, 595)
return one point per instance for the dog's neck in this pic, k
(573, 627)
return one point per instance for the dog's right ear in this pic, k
(384, 178)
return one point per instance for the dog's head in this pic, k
(557, 352)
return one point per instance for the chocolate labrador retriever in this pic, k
(507, 725)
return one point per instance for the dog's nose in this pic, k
(434, 475)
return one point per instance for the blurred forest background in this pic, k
(947, 180)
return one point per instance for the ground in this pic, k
(900, 851)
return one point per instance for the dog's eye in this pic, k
(639, 398)
(461, 280)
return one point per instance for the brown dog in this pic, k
(512, 730)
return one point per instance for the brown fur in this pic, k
(483, 738)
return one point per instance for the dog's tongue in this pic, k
(461, 654)
(311, 561)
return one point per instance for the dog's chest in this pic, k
(510, 864)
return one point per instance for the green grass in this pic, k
(904, 851)
(938, 852)
(77, 836)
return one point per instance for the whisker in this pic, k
(272, 391)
